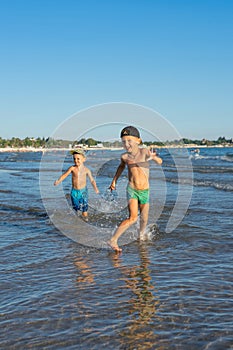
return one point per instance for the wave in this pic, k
(6, 191)
(212, 169)
(21, 156)
(16, 209)
(170, 168)
(216, 185)
(228, 157)
(202, 183)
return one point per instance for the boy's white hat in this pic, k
(78, 151)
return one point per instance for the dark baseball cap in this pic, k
(130, 131)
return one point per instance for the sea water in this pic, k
(173, 291)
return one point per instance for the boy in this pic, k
(79, 192)
(137, 161)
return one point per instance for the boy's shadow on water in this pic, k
(144, 303)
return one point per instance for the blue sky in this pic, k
(59, 57)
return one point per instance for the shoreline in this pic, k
(56, 149)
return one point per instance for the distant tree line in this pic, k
(205, 142)
(38, 142)
(16, 142)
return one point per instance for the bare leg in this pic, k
(133, 214)
(144, 213)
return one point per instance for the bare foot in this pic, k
(143, 236)
(85, 218)
(114, 247)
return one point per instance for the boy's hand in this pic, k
(112, 186)
(154, 156)
(56, 183)
(151, 155)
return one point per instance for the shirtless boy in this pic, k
(79, 192)
(137, 161)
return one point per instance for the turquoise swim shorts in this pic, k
(79, 199)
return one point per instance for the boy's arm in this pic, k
(63, 176)
(92, 181)
(119, 171)
(153, 156)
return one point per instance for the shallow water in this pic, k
(172, 292)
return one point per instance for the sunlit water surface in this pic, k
(171, 292)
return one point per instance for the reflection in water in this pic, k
(85, 273)
(143, 305)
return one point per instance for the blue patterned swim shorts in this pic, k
(79, 199)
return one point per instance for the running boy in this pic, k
(79, 192)
(137, 161)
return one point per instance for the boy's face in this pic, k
(78, 159)
(130, 143)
